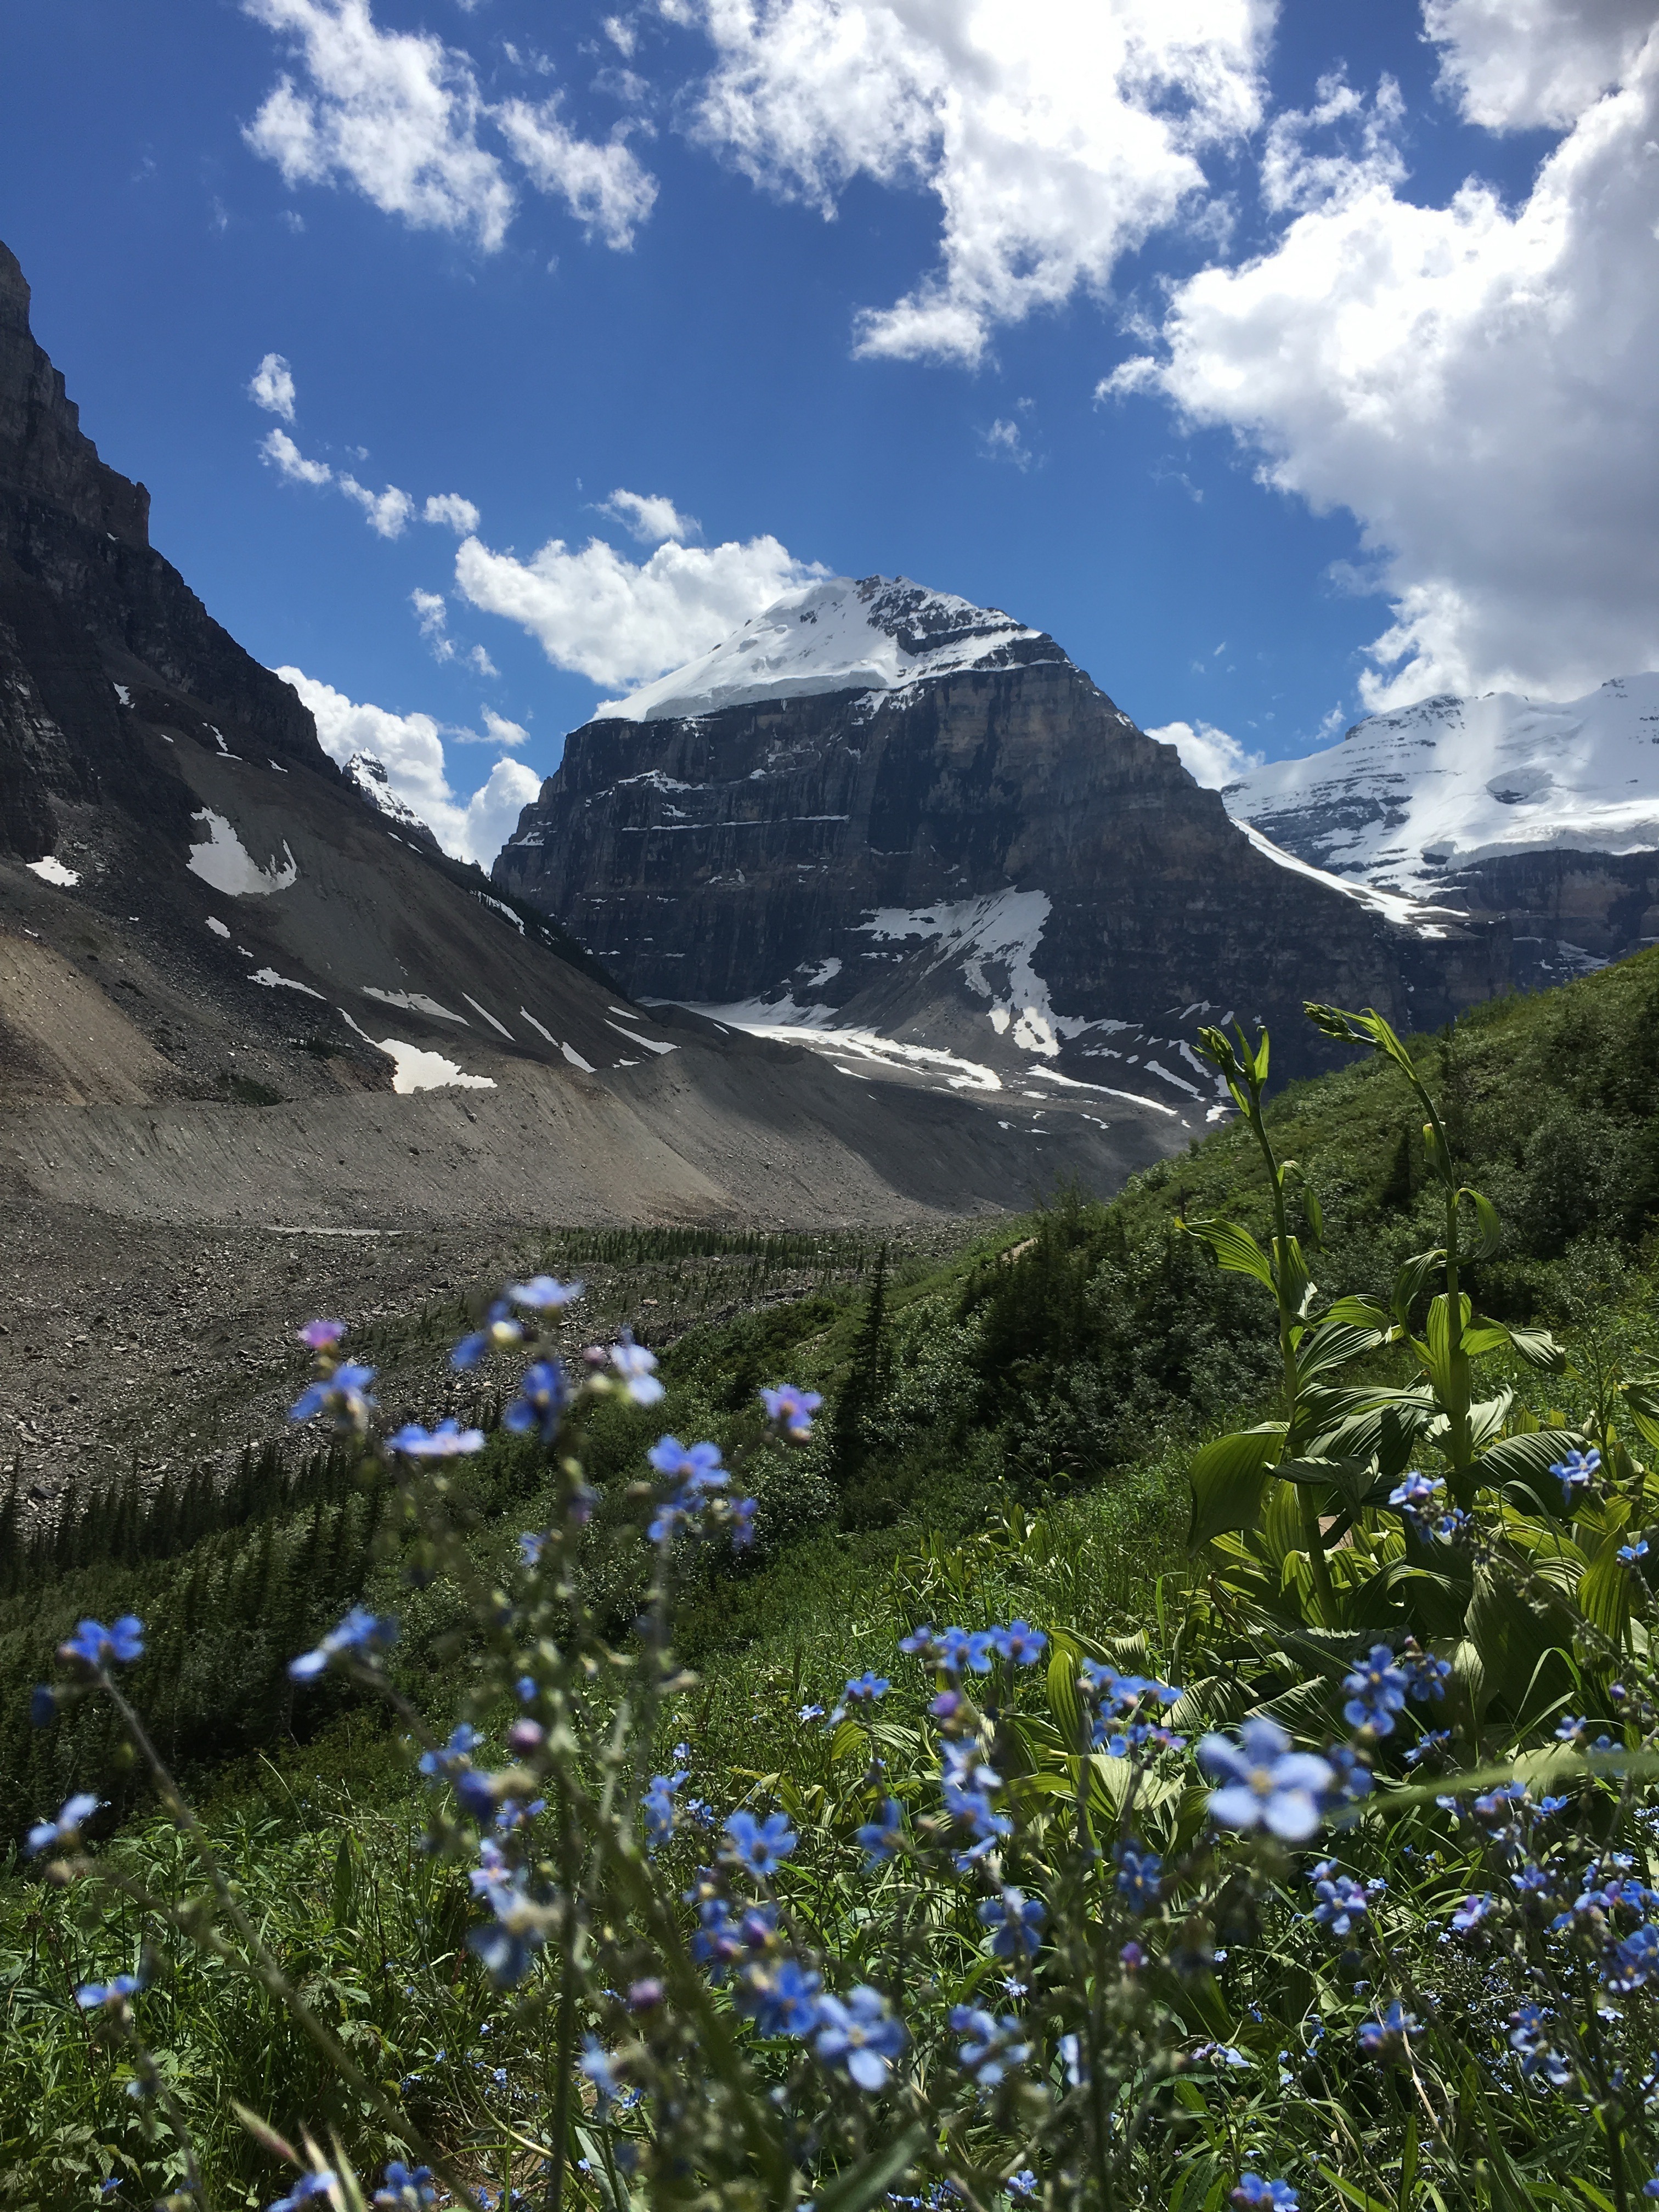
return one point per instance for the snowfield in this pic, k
(1409, 797)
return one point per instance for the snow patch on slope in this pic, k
(1408, 798)
(273, 981)
(417, 1069)
(413, 1002)
(1393, 906)
(224, 861)
(998, 931)
(52, 870)
(874, 634)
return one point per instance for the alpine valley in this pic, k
(239, 983)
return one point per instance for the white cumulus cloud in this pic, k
(649, 517)
(387, 513)
(280, 451)
(1209, 755)
(411, 747)
(618, 621)
(272, 387)
(1057, 134)
(603, 186)
(397, 115)
(1515, 63)
(453, 511)
(394, 113)
(1474, 382)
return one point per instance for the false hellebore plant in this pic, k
(1329, 1898)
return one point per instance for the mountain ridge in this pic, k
(795, 860)
(1541, 813)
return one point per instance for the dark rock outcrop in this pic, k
(267, 912)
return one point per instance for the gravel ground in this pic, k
(176, 1343)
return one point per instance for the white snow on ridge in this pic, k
(757, 1019)
(1393, 906)
(367, 772)
(1407, 798)
(224, 861)
(873, 635)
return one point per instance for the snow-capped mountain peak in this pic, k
(1410, 799)
(877, 633)
(367, 771)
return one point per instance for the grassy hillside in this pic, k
(1007, 1430)
(1066, 1360)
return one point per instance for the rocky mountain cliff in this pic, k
(878, 812)
(1541, 814)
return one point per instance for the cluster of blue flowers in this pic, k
(1116, 1706)
(1421, 1501)
(858, 2035)
(1575, 1474)
(341, 1389)
(958, 1651)
(1341, 1902)
(362, 1636)
(1379, 1686)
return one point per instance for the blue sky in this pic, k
(1215, 362)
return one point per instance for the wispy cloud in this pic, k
(272, 387)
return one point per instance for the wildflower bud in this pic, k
(595, 1356)
(43, 1706)
(526, 1737)
(646, 1995)
(946, 1705)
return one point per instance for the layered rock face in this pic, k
(991, 857)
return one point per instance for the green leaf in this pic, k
(1291, 1273)
(1641, 1394)
(1482, 1337)
(1409, 1282)
(854, 2191)
(1227, 1477)
(1604, 1593)
(1352, 1479)
(1539, 1349)
(1234, 1247)
(1489, 1231)
(1332, 1344)
(1315, 1213)
(1488, 1419)
(1601, 2202)
(1354, 2196)
(1512, 1637)
(1436, 1354)
(1065, 1698)
(1361, 1312)
(1527, 1460)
